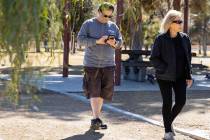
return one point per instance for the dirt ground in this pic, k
(58, 117)
(194, 116)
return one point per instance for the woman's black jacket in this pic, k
(163, 56)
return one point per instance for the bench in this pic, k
(137, 52)
(197, 65)
(134, 68)
(194, 54)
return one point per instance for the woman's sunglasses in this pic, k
(177, 21)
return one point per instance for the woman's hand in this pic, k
(189, 83)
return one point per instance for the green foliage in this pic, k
(150, 29)
(97, 2)
(20, 23)
(52, 22)
(199, 20)
(138, 12)
(133, 11)
(80, 11)
(23, 22)
(200, 12)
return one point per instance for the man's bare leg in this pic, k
(101, 101)
(96, 105)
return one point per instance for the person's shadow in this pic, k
(88, 135)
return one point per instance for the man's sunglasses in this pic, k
(106, 16)
(177, 21)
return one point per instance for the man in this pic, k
(101, 37)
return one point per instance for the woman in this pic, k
(171, 58)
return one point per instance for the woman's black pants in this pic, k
(169, 112)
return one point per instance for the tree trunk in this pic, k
(186, 15)
(137, 36)
(169, 4)
(118, 51)
(131, 25)
(204, 40)
(37, 45)
(66, 40)
(199, 47)
(176, 5)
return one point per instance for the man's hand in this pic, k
(111, 42)
(101, 41)
(189, 82)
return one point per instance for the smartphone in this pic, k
(111, 37)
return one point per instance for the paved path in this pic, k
(74, 84)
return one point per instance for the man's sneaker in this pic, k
(173, 131)
(97, 124)
(102, 125)
(168, 136)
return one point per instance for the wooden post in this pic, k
(118, 51)
(66, 39)
(73, 43)
(186, 14)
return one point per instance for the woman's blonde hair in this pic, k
(168, 19)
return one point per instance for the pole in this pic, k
(186, 14)
(66, 39)
(118, 51)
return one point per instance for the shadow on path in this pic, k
(88, 135)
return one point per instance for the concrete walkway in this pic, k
(73, 84)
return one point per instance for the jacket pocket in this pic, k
(162, 69)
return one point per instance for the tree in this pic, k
(137, 19)
(80, 11)
(136, 25)
(200, 19)
(23, 22)
(19, 24)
